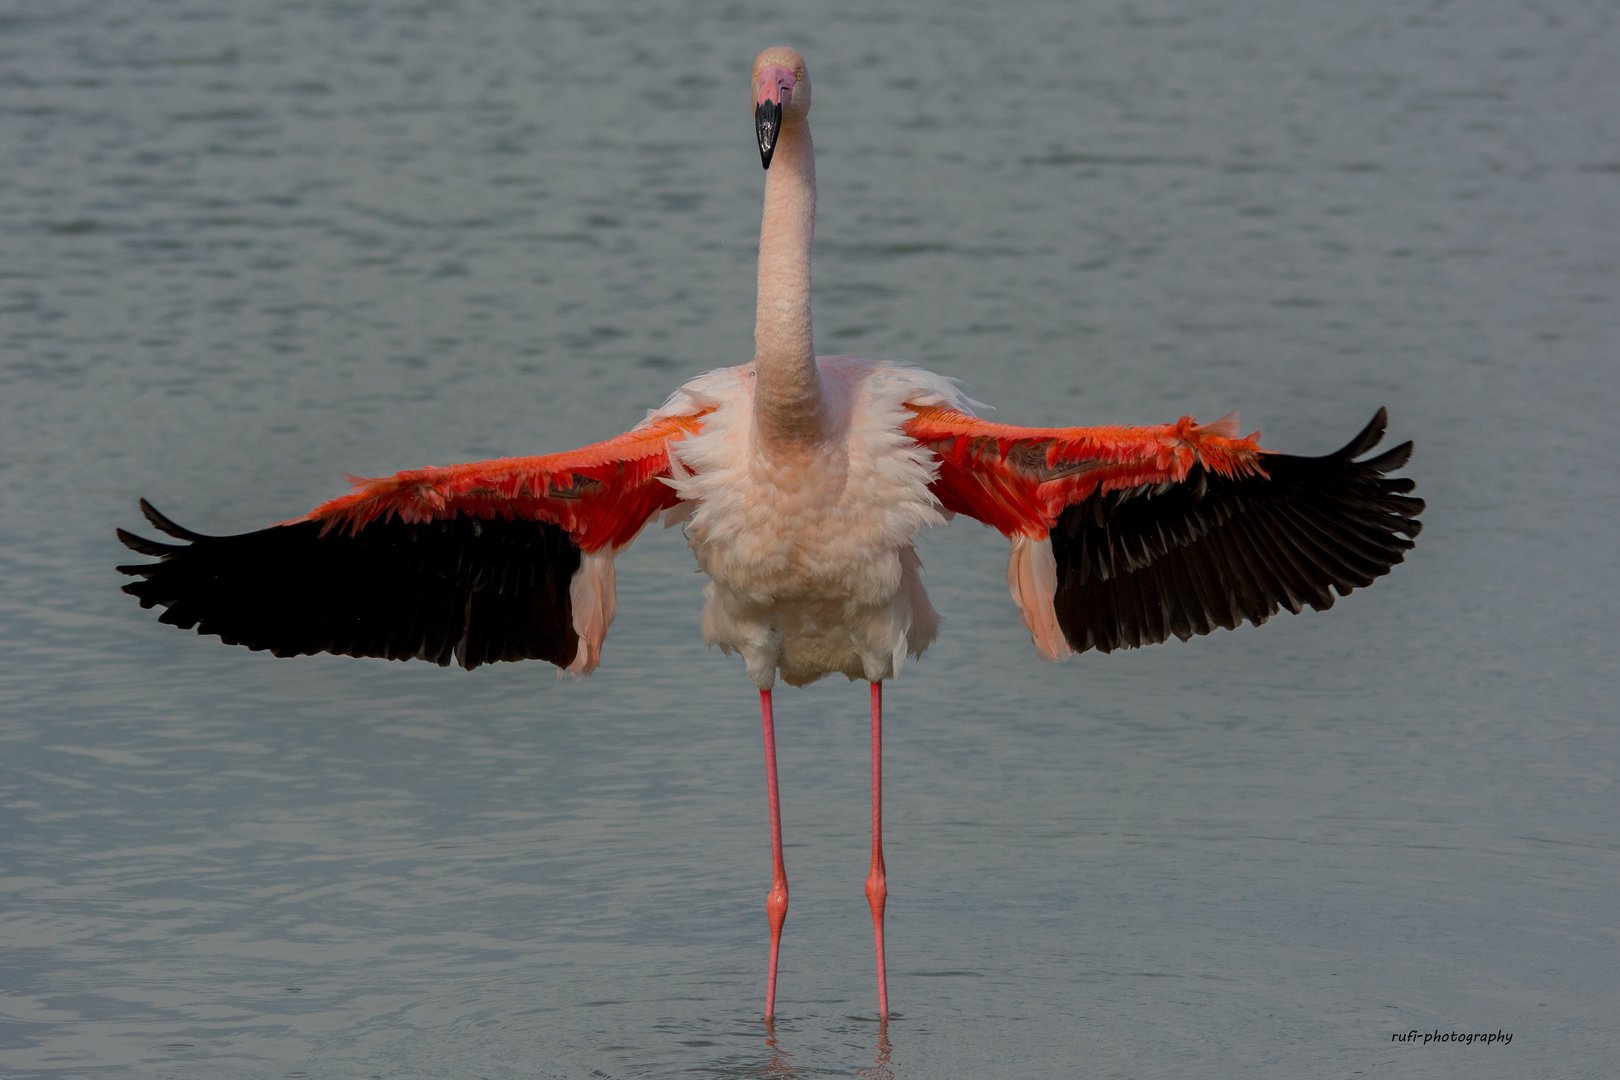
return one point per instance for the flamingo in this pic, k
(802, 483)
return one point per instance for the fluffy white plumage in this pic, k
(810, 557)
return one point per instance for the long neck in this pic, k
(787, 394)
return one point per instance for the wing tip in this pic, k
(1394, 458)
(141, 545)
(1370, 436)
(165, 526)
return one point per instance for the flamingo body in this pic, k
(802, 483)
(810, 558)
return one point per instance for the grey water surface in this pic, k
(245, 247)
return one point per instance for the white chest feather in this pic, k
(809, 551)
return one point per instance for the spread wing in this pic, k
(1123, 536)
(498, 560)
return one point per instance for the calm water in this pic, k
(245, 247)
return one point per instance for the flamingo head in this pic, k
(781, 96)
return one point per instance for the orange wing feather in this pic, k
(1019, 479)
(600, 494)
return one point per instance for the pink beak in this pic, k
(773, 91)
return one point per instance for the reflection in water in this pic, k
(880, 1065)
(777, 1063)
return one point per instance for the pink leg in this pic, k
(776, 904)
(877, 889)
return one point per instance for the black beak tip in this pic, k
(767, 126)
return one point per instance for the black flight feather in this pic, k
(1135, 567)
(472, 590)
